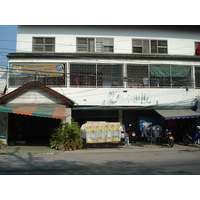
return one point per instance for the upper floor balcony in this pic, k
(88, 75)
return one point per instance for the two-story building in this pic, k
(130, 74)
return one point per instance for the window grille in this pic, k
(95, 75)
(170, 76)
(197, 76)
(137, 76)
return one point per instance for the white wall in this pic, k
(115, 96)
(3, 76)
(131, 96)
(180, 40)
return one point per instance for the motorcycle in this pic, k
(132, 135)
(166, 138)
(195, 140)
(124, 136)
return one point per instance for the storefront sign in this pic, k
(41, 69)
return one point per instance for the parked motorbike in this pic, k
(195, 140)
(166, 138)
(132, 135)
(124, 136)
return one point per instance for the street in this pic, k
(104, 162)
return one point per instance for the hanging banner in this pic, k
(100, 132)
(39, 69)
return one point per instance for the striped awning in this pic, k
(40, 110)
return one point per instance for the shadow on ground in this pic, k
(44, 165)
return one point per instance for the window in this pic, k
(137, 76)
(85, 44)
(104, 45)
(95, 45)
(140, 46)
(197, 48)
(176, 76)
(197, 76)
(149, 46)
(158, 46)
(86, 75)
(41, 44)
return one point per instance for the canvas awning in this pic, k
(177, 114)
(40, 110)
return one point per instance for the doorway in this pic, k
(30, 130)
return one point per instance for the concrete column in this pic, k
(125, 75)
(68, 118)
(193, 77)
(67, 70)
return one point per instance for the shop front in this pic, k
(32, 122)
(180, 121)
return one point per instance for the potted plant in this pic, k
(66, 136)
(58, 138)
(73, 144)
(80, 143)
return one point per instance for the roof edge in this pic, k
(104, 55)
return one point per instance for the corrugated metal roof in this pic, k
(178, 114)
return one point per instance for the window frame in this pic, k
(43, 44)
(103, 44)
(140, 46)
(157, 47)
(84, 45)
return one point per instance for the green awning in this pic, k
(40, 110)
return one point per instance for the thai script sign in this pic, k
(118, 98)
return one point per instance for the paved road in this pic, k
(104, 162)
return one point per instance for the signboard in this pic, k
(39, 69)
(100, 132)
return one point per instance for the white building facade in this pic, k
(112, 73)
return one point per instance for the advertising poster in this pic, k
(42, 69)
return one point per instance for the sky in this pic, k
(8, 34)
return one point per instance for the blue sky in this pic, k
(8, 34)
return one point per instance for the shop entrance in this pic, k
(30, 130)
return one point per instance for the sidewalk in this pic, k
(133, 147)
